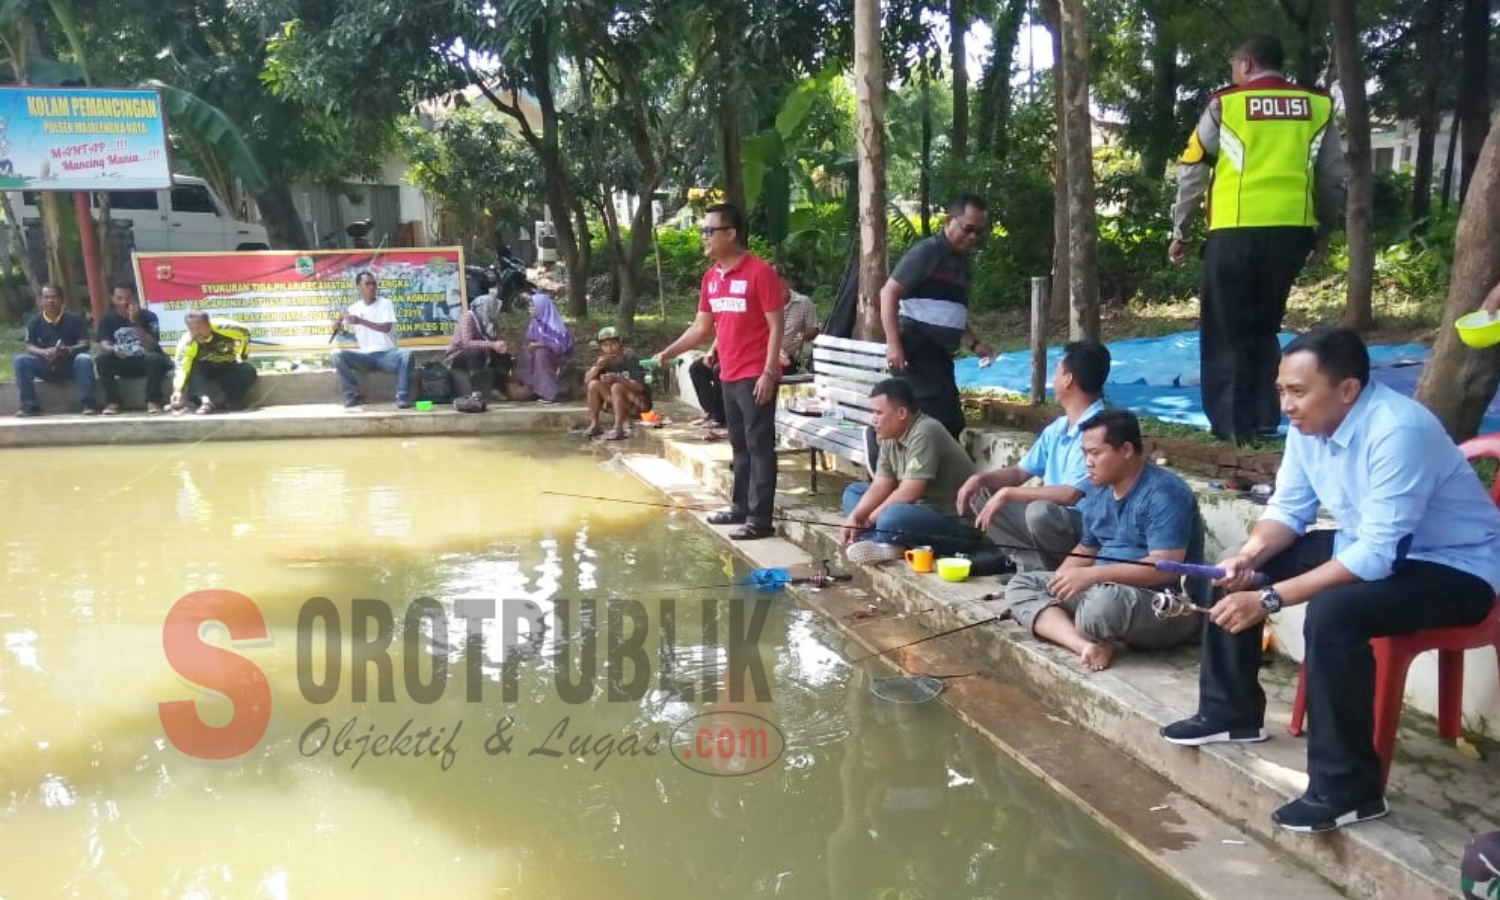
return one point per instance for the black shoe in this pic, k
(725, 517)
(1196, 731)
(752, 532)
(1310, 815)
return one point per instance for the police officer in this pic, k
(1268, 156)
(924, 309)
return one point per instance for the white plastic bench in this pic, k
(844, 370)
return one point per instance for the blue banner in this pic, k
(82, 139)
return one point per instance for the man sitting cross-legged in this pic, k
(1037, 526)
(917, 478)
(1132, 510)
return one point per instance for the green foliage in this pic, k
(479, 173)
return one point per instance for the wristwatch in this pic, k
(1270, 600)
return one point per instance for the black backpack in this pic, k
(436, 382)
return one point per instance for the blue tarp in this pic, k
(1158, 377)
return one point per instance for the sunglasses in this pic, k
(972, 229)
(708, 231)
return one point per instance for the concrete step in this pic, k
(1170, 830)
(1440, 798)
(275, 388)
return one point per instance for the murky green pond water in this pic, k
(382, 779)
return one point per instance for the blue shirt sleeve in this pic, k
(1169, 518)
(1394, 504)
(1034, 463)
(1086, 509)
(1294, 503)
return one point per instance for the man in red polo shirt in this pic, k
(740, 303)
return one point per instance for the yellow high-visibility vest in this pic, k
(1268, 147)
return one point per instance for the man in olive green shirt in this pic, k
(917, 477)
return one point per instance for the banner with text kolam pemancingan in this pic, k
(289, 300)
(82, 139)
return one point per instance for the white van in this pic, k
(188, 217)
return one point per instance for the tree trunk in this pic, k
(1061, 299)
(284, 229)
(926, 175)
(1473, 91)
(1083, 226)
(1451, 162)
(1159, 148)
(958, 25)
(641, 226)
(59, 272)
(1458, 382)
(995, 102)
(729, 138)
(869, 88)
(578, 275)
(1430, 37)
(1359, 219)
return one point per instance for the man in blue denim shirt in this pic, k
(1133, 511)
(1417, 547)
(1037, 526)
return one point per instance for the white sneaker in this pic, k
(864, 553)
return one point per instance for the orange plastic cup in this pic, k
(920, 559)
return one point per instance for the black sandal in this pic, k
(725, 517)
(752, 532)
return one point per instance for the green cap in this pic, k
(608, 332)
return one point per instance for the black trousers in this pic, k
(154, 366)
(1342, 766)
(752, 437)
(234, 379)
(710, 391)
(1247, 274)
(929, 369)
(487, 369)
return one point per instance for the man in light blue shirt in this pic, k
(1039, 525)
(1417, 547)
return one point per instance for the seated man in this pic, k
(57, 343)
(799, 325)
(1417, 547)
(373, 319)
(1133, 510)
(616, 380)
(704, 373)
(212, 353)
(130, 341)
(917, 478)
(478, 349)
(1039, 525)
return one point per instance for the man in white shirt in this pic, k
(373, 319)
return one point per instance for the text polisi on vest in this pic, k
(1277, 108)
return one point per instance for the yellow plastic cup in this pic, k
(1479, 329)
(953, 568)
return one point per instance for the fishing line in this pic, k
(1189, 570)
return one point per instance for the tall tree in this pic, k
(1061, 274)
(1430, 20)
(1083, 226)
(1473, 89)
(1458, 382)
(869, 87)
(1361, 193)
(958, 27)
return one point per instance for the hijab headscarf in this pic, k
(547, 327)
(486, 312)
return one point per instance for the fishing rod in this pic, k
(1166, 566)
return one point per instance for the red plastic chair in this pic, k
(1394, 655)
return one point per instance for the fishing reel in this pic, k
(826, 578)
(1174, 602)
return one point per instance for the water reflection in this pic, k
(866, 800)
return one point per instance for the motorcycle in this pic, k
(506, 277)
